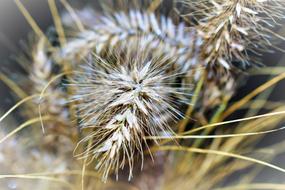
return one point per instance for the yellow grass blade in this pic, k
(184, 122)
(234, 121)
(57, 21)
(255, 186)
(29, 19)
(73, 15)
(90, 173)
(217, 152)
(255, 92)
(154, 5)
(13, 86)
(268, 71)
(17, 105)
(22, 176)
(24, 125)
(214, 136)
(84, 165)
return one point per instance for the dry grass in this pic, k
(211, 148)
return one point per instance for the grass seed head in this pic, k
(235, 30)
(124, 95)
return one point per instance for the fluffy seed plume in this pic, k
(108, 30)
(234, 29)
(124, 95)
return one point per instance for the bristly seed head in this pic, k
(234, 30)
(125, 95)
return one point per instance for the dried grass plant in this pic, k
(138, 95)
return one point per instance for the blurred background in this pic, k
(14, 33)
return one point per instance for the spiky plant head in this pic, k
(235, 32)
(124, 95)
(112, 29)
(43, 70)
